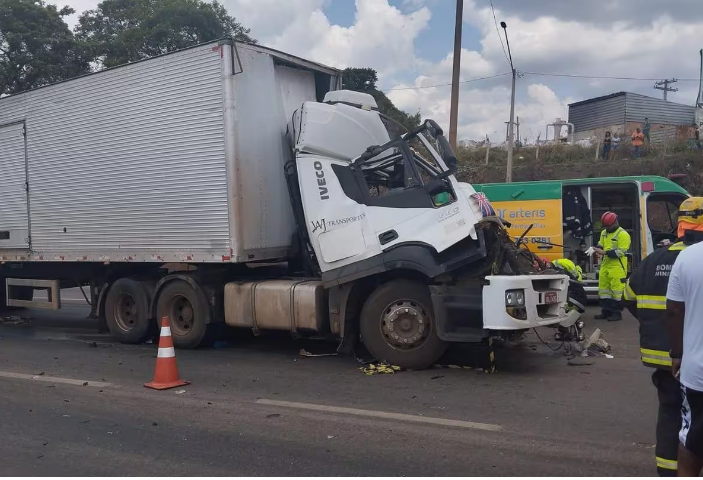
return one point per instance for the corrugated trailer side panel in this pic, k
(129, 164)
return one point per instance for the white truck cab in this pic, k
(386, 210)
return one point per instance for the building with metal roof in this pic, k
(623, 112)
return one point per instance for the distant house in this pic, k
(623, 112)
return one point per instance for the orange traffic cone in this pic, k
(166, 374)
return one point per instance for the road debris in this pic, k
(180, 392)
(595, 345)
(380, 369)
(305, 353)
(580, 362)
(273, 415)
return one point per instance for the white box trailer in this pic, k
(231, 184)
(178, 158)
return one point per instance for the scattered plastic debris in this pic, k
(379, 369)
(305, 353)
(330, 437)
(179, 392)
(595, 345)
(13, 320)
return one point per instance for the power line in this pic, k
(447, 84)
(495, 22)
(595, 77)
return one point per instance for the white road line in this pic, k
(387, 415)
(43, 378)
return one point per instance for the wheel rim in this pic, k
(126, 313)
(181, 315)
(405, 325)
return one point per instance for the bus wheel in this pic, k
(127, 312)
(188, 314)
(397, 325)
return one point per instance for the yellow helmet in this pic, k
(690, 215)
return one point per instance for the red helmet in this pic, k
(608, 219)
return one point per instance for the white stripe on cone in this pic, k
(166, 352)
(165, 331)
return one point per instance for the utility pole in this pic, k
(454, 113)
(664, 85)
(511, 134)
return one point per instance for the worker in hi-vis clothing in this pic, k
(612, 248)
(645, 298)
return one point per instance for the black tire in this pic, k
(188, 313)
(127, 312)
(390, 301)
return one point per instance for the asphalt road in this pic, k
(255, 407)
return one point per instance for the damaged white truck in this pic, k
(233, 185)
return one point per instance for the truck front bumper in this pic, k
(469, 315)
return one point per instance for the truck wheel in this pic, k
(127, 312)
(397, 325)
(188, 313)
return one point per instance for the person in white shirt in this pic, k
(684, 305)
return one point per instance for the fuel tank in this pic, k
(292, 305)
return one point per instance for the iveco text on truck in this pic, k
(233, 185)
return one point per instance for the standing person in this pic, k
(612, 248)
(646, 129)
(684, 304)
(645, 298)
(616, 142)
(606, 146)
(637, 142)
(693, 137)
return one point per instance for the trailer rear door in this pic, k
(14, 218)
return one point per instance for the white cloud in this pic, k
(558, 37)
(381, 37)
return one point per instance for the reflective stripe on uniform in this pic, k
(667, 464)
(629, 293)
(652, 302)
(677, 247)
(655, 357)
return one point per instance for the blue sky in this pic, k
(431, 43)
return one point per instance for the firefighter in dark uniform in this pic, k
(645, 298)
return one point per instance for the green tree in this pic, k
(36, 46)
(364, 80)
(122, 31)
